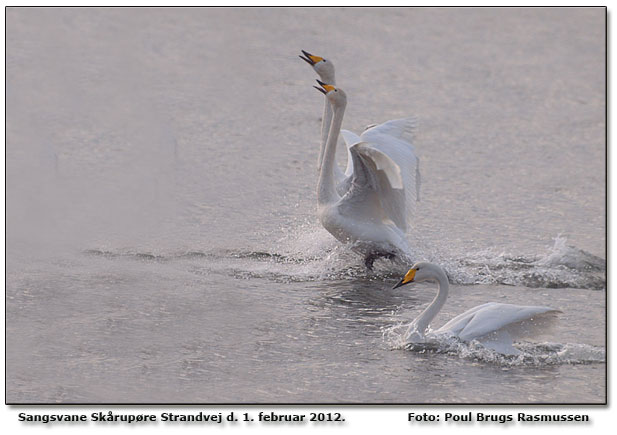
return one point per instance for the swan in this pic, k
(392, 138)
(493, 324)
(371, 214)
(325, 69)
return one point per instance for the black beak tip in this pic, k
(307, 60)
(307, 57)
(320, 90)
(398, 284)
(321, 83)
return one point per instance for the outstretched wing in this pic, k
(381, 163)
(376, 186)
(403, 129)
(493, 317)
(393, 138)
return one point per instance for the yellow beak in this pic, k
(309, 58)
(326, 87)
(409, 276)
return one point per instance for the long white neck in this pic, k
(326, 190)
(326, 120)
(422, 322)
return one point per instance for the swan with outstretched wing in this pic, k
(388, 142)
(493, 324)
(371, 213)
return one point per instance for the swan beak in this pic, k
(327, 88)
(409, 276)
(320, 90)
(310, 59)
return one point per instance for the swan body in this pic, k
(369, 215)
(493, 324)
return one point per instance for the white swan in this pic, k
(325, 69)
(370, 214)
(393, 138)
(493, 324)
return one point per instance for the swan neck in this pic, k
(326, 119)
(424, 319)
(326, 190)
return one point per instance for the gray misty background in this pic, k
(160, 192)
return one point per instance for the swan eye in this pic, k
(324, 61)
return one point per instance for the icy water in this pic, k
(162, 239)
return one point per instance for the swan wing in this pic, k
(350, 139)
(393, 138)
(403, 129)
(492, 317)
(500, 341)
(380, 161)
(377, 183)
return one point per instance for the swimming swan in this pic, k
(493, 324)
(371, 214)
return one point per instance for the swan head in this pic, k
(323, 67)
(335, 95)
(422, 271)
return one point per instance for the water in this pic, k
(162, 240)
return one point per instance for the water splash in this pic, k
(531, 354)
(568, 256)
(562, 266)
(320, 257)
(309, 253)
